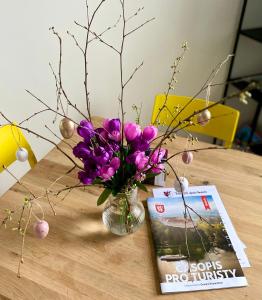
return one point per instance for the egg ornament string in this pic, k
(204, 117)
(67, 126)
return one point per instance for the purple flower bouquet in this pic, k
(117, 156)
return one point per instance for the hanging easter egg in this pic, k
(184, 184)
(41, 229)
(204, 117)
(187, 157)
(21, 154)
(67, 128)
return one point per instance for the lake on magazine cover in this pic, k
(190, 233)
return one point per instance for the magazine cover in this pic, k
(193, 250)
(204, 190)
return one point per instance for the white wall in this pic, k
(248, 60)
(27, 46)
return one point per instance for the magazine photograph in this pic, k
(192, 246)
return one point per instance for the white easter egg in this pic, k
(184, 184)
(21, 154)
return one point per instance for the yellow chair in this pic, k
(222, 125)
(10, 138)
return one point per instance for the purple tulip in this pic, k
(115, 163)
(141, 160)
(139, 144)
(115, 136)
(107, 172)
(112, 128)
(84, 178)
(149, 133)
(131, 158)
(85, 130)
(112, 146)
(157, 169)
(81, 150)
(105, 124)
(158, 155)
(101, 155)
(101, 136)
(112, 125)
(91, 167)
(132, 130)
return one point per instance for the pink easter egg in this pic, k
(187, 157)
(41, 229)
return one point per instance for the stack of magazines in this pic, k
(197, 247)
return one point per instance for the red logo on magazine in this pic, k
(205, 202)
(160, 208)
(167, 193)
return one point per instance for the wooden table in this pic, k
(80, 260)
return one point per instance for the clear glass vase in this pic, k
(124, 213)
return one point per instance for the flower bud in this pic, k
(132, 130)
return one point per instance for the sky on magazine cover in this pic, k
(174, 207)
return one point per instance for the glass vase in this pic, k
(123, 214)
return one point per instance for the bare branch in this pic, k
(58, 93)
(60, 139)
(18, 181)
(187, 207)
(94, 13)
(60, 177)
(135, 29)
(21, 260)
(207, 82)
(195, 150)
(104, 42)
(134, 72)
(61, 88)
(50, 203)
(135, 14)
(44, 138)
(46, 105)
(106, 30)
(75, 40)
(33, 115)
(80, 25)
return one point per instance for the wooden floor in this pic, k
(80, 260)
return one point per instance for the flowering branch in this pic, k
(194, 150)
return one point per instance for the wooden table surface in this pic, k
(81, 260)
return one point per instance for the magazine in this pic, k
(238, 245)
(193, 249)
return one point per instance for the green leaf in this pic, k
(151, 175)
(97, 181)
(141, 186)
(102, 198)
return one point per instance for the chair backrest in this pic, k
(222, 125)
(10, 136)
